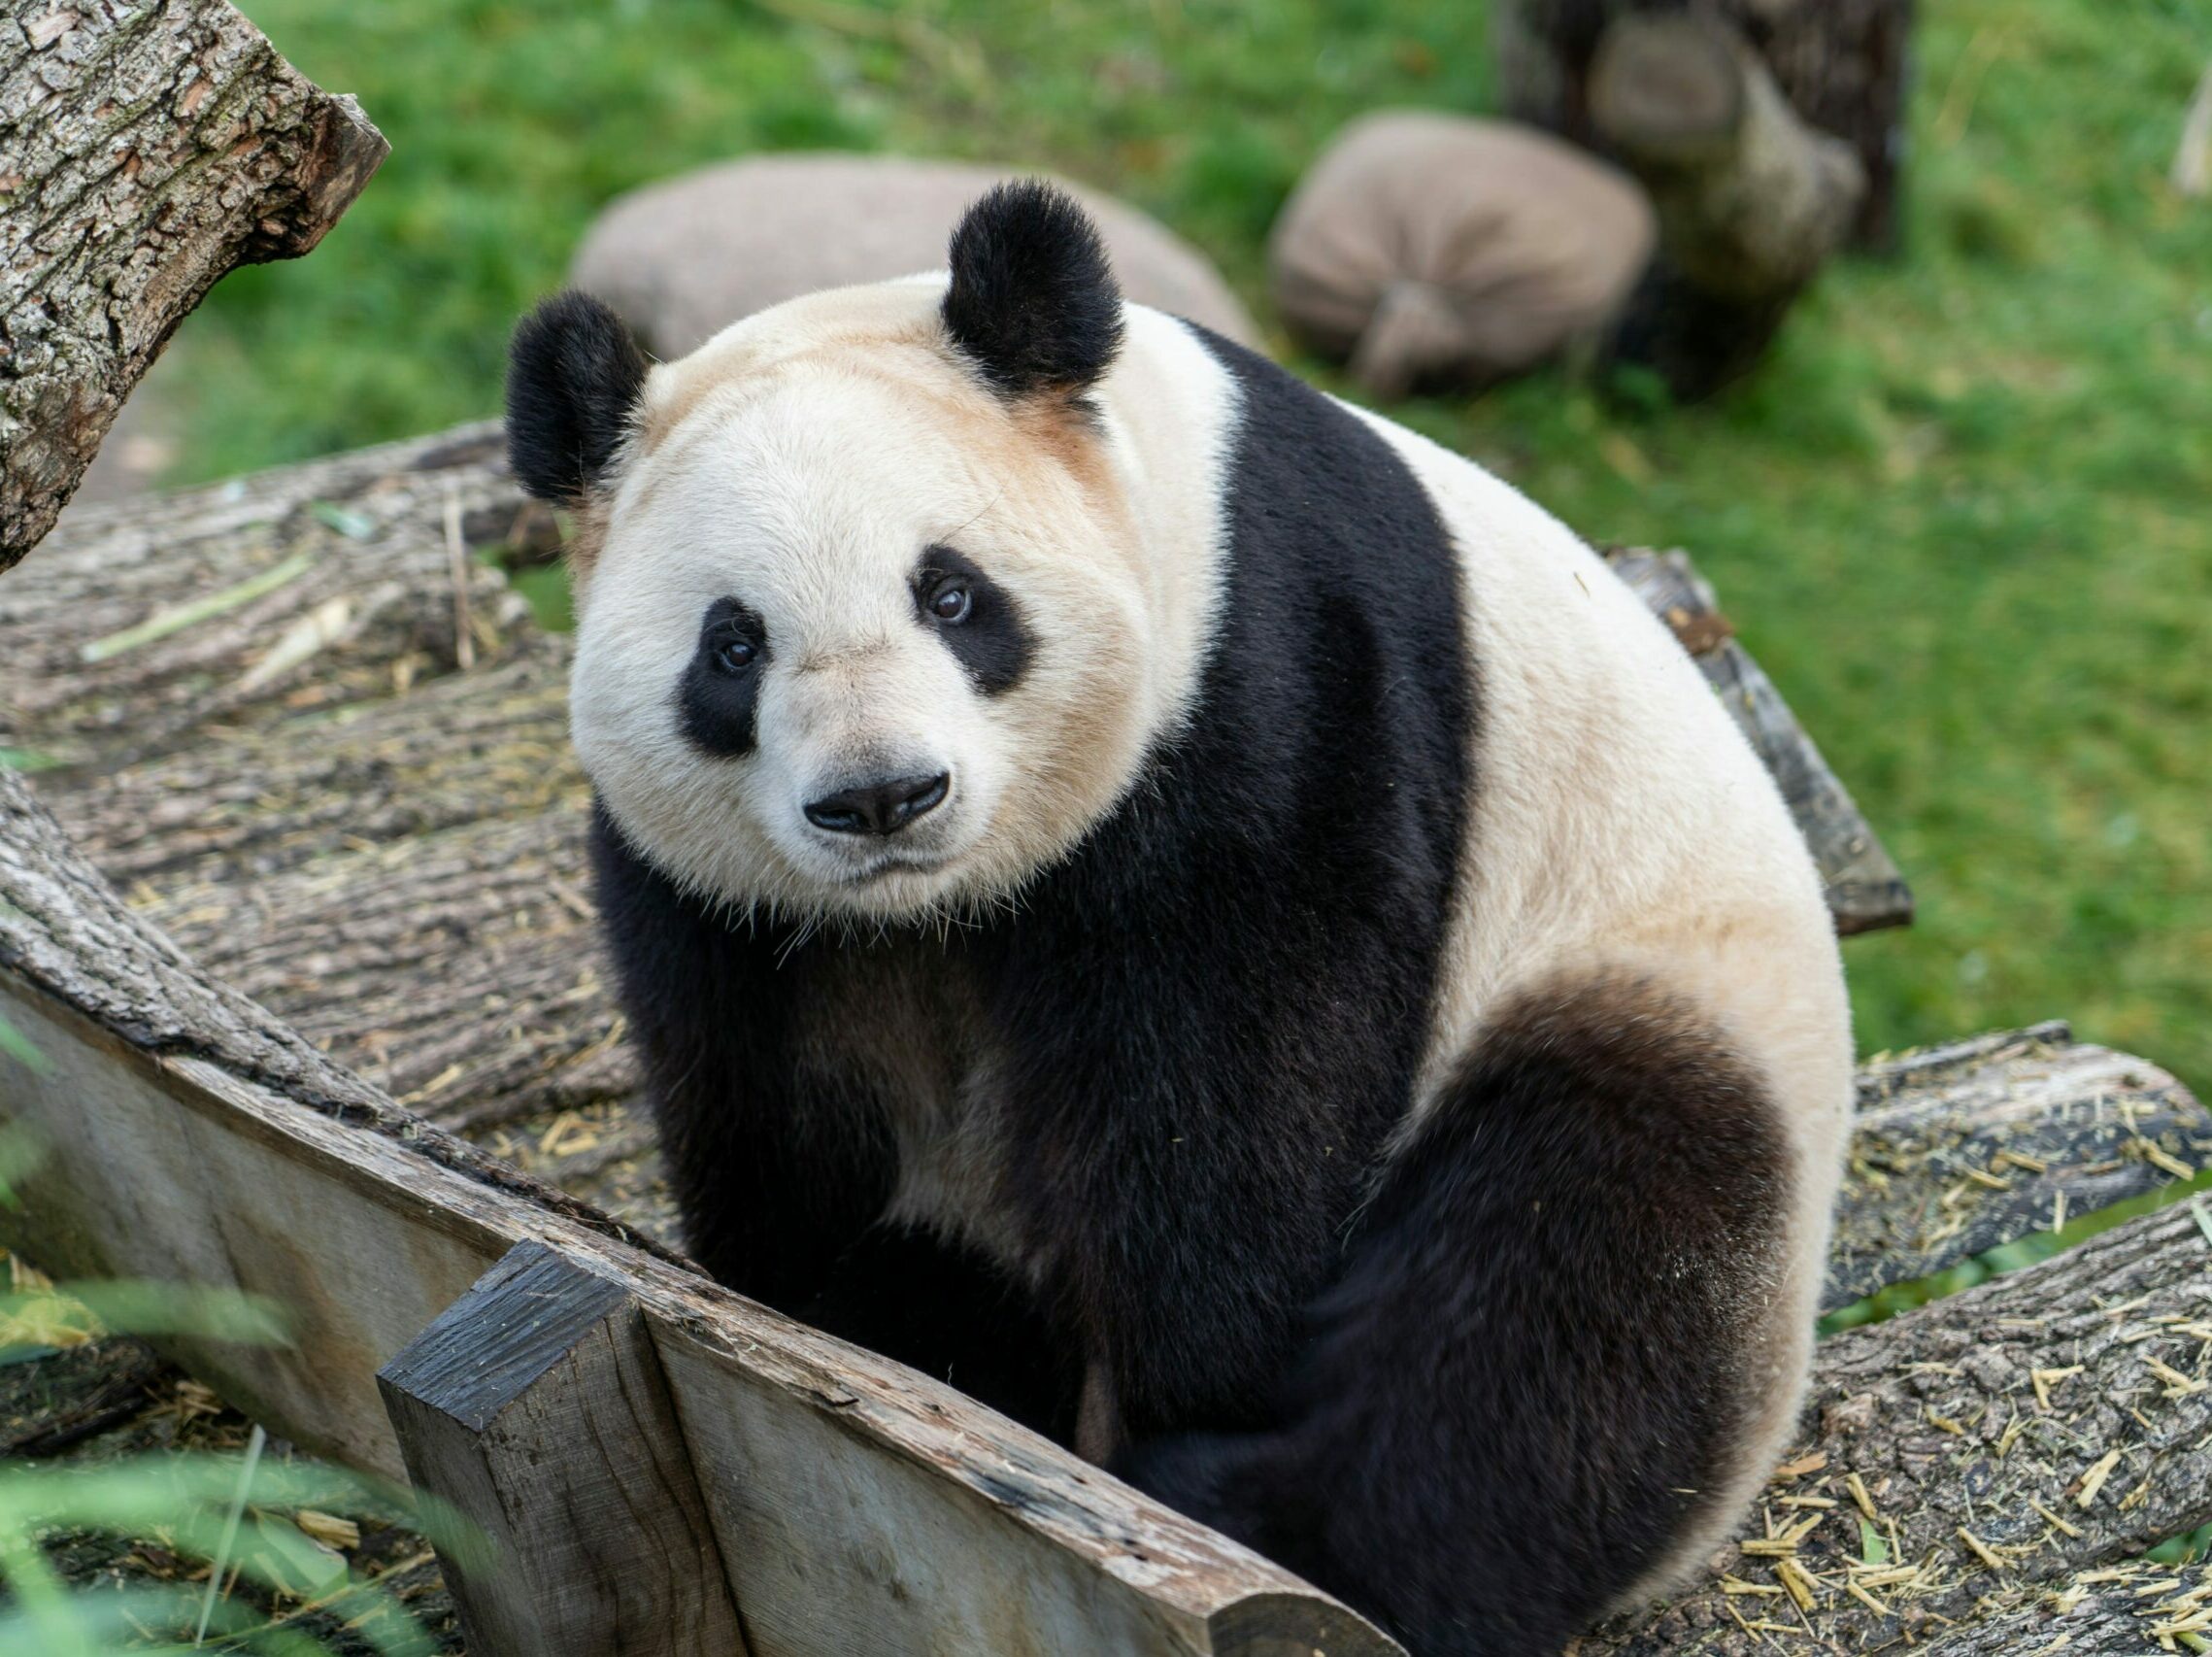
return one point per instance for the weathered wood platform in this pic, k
(314, 972)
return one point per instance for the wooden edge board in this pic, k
(535, 1406)
(174, 1167)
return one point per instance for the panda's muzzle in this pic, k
(879, 807)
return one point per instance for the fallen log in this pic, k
(1997, 1442)
(150, 146)
(1953, 1154)
(1866, 889)
(2124, 1610)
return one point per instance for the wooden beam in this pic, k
(151, 145)
(536, 1407)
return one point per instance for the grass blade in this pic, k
(230, 1529)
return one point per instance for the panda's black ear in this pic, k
(1032, 301)
(574, 375)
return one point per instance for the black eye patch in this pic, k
(721, 688)
(987, 638)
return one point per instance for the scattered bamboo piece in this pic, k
(2093, 1481)
(1980, 1549)
(176, 618)
(1858, 1488)
(2046, 1380)
(2071, 1530)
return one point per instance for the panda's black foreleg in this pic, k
(1544, 1348)
(950, 1312)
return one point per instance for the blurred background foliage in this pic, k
(1964, 515)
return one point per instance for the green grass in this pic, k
(1965, 517)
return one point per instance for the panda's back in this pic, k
(1611, 819)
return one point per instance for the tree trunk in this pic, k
(1751, 201)
(1842, 65)
(145, 148)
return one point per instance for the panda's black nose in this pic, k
(877, 808)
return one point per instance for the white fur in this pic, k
(1621, 824)
(801, 462)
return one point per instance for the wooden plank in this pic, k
(535, 1406)
(1866, 889)
(1958, 1150)
(828, 1546)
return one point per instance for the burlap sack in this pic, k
(681, 259)
(1430, 248)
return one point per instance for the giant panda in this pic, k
(1202, 918)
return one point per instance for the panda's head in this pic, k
(861, 602)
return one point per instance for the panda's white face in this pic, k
(861, 638)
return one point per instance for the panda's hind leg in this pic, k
(1565, 1328)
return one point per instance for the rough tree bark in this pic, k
(1842, 64)
(1960, 1150)
(145, 148)
(1961, 1459)
(2122, 1610)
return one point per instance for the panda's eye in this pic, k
(735, 655)
(951, 603)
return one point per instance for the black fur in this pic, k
(992, 644)
(573, 378)
(1033, 300)
(717, 707)
(782, 1173)
(1520, 1390)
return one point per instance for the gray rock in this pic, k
(681, 259)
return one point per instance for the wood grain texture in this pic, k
(145, 148)
(2005, 1138)
(536, 1406)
